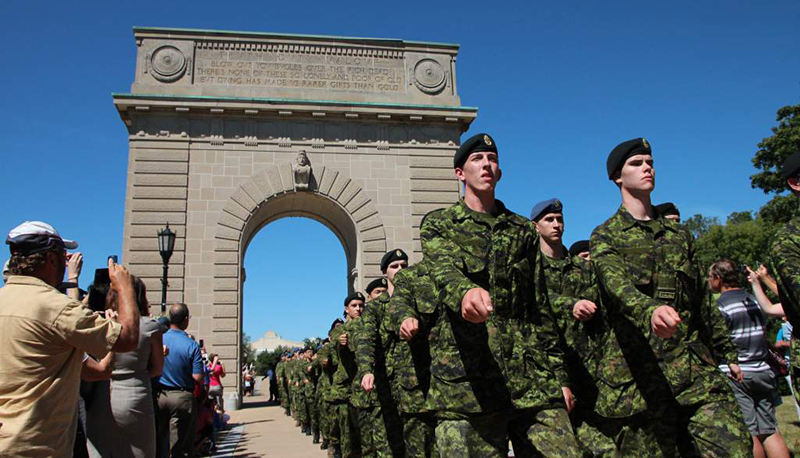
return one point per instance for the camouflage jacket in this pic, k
(569, 280)
(345, 363)
(414, 297)
(514, 360)
(784, 263)
(326, 369)
(373, 341)
(642, 265)
(280, 373)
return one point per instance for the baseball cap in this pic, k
(34, 237)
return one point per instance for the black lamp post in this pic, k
(166, 243)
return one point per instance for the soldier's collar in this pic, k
(629, 221)
(465, 212)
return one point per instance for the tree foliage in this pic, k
(311, 343)
(248, 352)
(773, 150)
(267, 359)
(780, 210)
(699, 225)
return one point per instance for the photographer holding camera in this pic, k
(216, 371)
(44, 335)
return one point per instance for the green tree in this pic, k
(699, 225)
(773, 150)
(248, 352)
(267, 359)
(780, 210)
(739, 217)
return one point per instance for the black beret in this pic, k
(791, 166)
(377, 283)
(544, 207)
(623, 151)
(667, 208)
(357, 296)
(476, 143)
(392, 256)
(579, 247)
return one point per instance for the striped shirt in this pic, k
(745, 320)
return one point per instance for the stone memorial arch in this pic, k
(229, 131)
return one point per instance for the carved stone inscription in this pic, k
(295, 70)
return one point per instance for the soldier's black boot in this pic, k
(324, 445)
(316, 437)
(337, 452)
(307, 429)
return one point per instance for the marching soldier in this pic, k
(413, 311)
(329, 421)
(375, 288)
(381, 428)
(572, 290)
(785, 260)
(496, 360)
(342, 384)
(668, 397)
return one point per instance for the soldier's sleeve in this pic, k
(546, 331)
(561, 308)
(616, 283)
(785, 266)
(364, 338)
(439, 246)
(401, 305)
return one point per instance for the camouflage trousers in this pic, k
(419, 435)
(299, 406)
(381, 432)
(714, 429)
(595, 434)
(347, 422)
(313, 412)
(533, 433)
(330, 428)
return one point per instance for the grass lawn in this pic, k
(789, 425)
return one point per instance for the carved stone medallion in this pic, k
(429, 76)
(168, 63)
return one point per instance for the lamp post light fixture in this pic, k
(166, 243)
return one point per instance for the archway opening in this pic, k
(296, 275)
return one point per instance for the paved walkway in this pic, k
(262, 429)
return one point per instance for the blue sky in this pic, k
(558, 84)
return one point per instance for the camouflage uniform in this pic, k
(570, 279)
(341, 392)
(500, 379)
(667, 395)
(374, 341)
(280, 382)
(414, 297)
(313, 375)
(323, 387)
(330, 397)
(785, 266)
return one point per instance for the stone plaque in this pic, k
(322, 70)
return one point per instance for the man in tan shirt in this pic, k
(44, 335)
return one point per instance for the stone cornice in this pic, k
(127, 103)
(291, 39)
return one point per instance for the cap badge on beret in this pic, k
(487, 140)
(645, 144)
(383, 281)
(398, 253)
